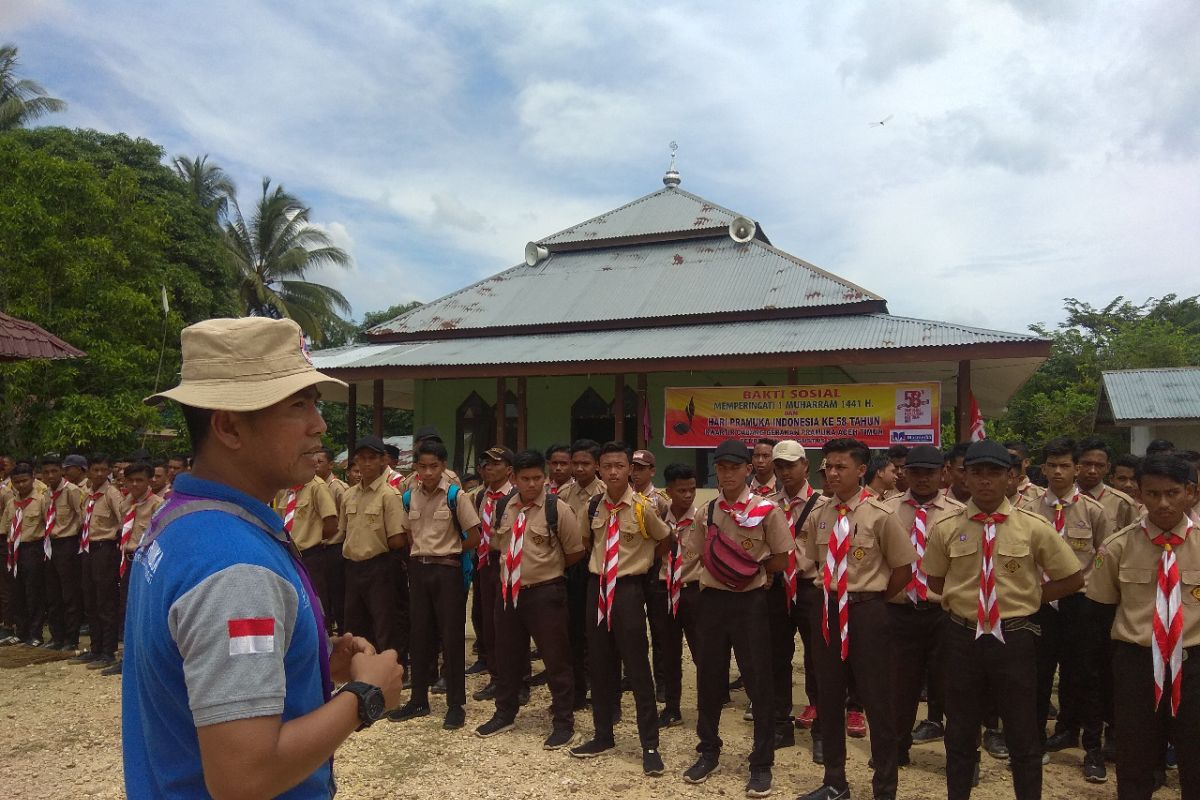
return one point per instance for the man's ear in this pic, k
(228, 428)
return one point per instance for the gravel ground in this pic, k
(61, 738)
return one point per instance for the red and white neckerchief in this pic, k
(1060, 522)
(552, 489)
(510, 586)
(987, 613)
(51, 518)
(675, 567)
(486, 526)
(289, 507)
(608, 575)
(748, 514)
(791, 574)
(14, 532)
(85, 531)
(131, 519)
(833, 576)
(918, 586)
(395, 479)
(1168, 618)
(762, 489)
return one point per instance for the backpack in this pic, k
(726, 560)
(467, 558)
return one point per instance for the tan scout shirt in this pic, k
(1085, 530)
(690, 570)
(1026, 545)
(68, 510)
(793, 507)
(940, 507)
(658, 498)
(1030, 490)
(141, 520)
(578, 497)
(33, 517)
(337, 488)
(434, 532)
(636, 552)
(764, 489)
(878, 543)
(542, 556)
(314, 503)
(1126, 575)
(106, 515)
(369, 516)
(1119, 508)
(770, 537)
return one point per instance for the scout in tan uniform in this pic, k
(750, 528)
(99, 532)
(558, 467)
(881, 477)
(25, 521)
(335, 572)
(371, 525)
(534, 556)
(1094, 468)
(898, 455)
(310, 517)
(626, 535)
(1150, 572)
(337, 486)
(423, 434)
(955, 479)
(137, 508)
(918, 621)
(496, 468)
(64, 587)
(762, 477)
(854, 535)
(439, 536)
(1071, 637)
(641, 478)
(1029, 490)
(584, 485)
(987, 561)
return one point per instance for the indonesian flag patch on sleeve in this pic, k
(251, 636)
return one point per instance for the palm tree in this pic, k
(21, 101)
(210, 185)
(272, 252)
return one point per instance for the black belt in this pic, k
(921, 605)
(540, 584)
(861, 597)
(690, 585)
(1188, 652)
(1010, 624)
(437, 561)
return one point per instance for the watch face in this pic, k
(374, 704)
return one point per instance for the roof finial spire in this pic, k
(672, 177)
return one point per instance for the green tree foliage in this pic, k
(21, 100)
(91, 226)
(1062, 397)
(208, 184)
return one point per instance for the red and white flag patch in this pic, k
(251, 636)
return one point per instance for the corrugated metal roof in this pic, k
(666, 279)
(669, 210)
(21, 339)
(1150, 394)
(804, 335)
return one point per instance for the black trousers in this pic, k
(735, 621)
(476, 613)
(1070, 643)
(979, 672)
(657, 612)
(103, 566)
(577, 625)
(625, 645)
(672, 630)
(541, 613)
(439, 608)
(6, 589)
(1143, 731)
(64, 590)
(31, 588)
(916, 653)
(784, 623)
(402, 603)
(371, 601)
(870, 658)
(324, 563)
(487, 589)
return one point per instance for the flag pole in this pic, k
(162, 349)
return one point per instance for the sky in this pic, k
(1034, 149)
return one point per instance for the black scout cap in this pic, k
(426, 432)
(925, 455)
(732, 450)
(499, 454)
(371, 443)
(986, 452)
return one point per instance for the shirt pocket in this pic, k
(959, 548)
(1190, 588)
(1080, 539)
(1135, 575)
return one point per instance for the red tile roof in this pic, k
(20, 340)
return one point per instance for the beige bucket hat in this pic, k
(242, 364)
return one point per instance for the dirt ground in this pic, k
(60, 737)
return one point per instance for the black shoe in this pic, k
(410, 710)
(826, 793)
(1110, 747)
(928, 731)
(1172, 759)
(85, 630)
(1052, 712)
(100, 662)
(535, 655)
(759, 784)
(85, 657)
(9, 641)
(626, 685)
(737, 683)
(115, 669)
(1063, 740)
(523, 696)
(699, 772)
(993, 743)
(660, 694)
(439, 686)
(540, 679)
(592, 748)
(581, 703)
(32, 642)
(669, 718)
(1093, 767)
(558, 739)
(652, 764)
(785, 736)
(55, 645)
(495, 725)
(975, 777)
(818, 750)
(486, 693)
(478, 668)
(455, 718)
(748, 714)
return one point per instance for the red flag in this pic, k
(977, 430)
(646, 421)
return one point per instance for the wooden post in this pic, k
(351, 418)
(793, 376)
(501, 396)
(618, 407)
(377, 403)
(522, 419)
(962, 416)
(642, 410)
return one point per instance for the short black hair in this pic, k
(1160, 446)
(678, 472)
(22, 468)
(393, 451)
(328, 452)
(958, 452)
(529, 459)
(1095, 443)
(158, 462)
(589, 446)
(1015, 464)
(471, 476)
(183, 456)
(615, 447)
(1019, 446)
(1190, 456)
(432, 447)
(1129, 460)
(1060, 446)
(51, 458)
(1169, 466)
(877, 462)
(140, 468)
(199, 423)
(857, 450)
(768, 442)
(558, 447)
(897, 451)
(99, 458)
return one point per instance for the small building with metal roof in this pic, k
(1152, 404)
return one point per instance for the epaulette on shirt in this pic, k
(882, 505)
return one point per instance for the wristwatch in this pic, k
(370, 702)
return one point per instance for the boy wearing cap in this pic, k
(866, 558)
(585, 484)
(137, 509)
(439, 536)
(987, 560)
(793, 597)
(762, 476)
(423, 434)
(916, 613)
(25, 521)
(735, 616)
(64, 590)
(626, 534)
(310, 517)
(496, 471)
(533, 556)
(1149, 575)
(226, 655)
(98, 541)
